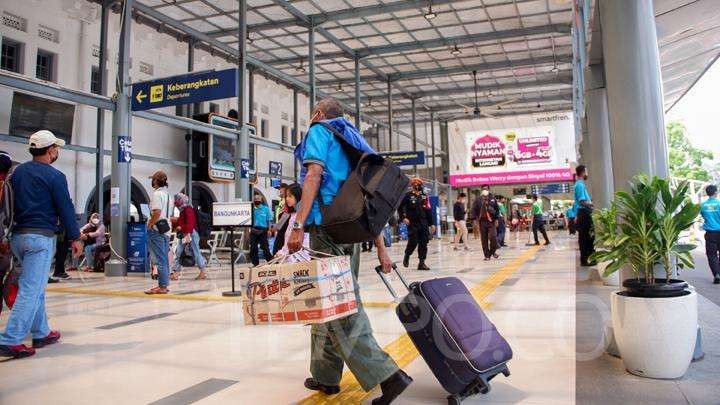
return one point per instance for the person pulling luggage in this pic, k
(416, 213)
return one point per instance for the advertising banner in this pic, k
(514, 156)
(516, 177)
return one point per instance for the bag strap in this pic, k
(354, 154)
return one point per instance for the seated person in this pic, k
(93, 236)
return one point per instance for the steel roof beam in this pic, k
(562, 96)
(497, 114)
(438, 42)
(420, 74)
(563, 79)
(355, 12)
(345, 50)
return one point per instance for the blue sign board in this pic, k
(275, 169)
(245, 169)
(124, 149)
(410, 158)
(553, 188)
(137, 254)
(184, 89)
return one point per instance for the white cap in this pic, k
(43, 139)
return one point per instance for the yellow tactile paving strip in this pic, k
(403, 350)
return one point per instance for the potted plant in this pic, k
(606, 239)
(654, 318)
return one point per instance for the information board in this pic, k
(184, 89)
(232, 213)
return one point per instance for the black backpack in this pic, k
(368, 198)
(203, 223)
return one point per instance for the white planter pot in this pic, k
(655, 336)
(612, 280)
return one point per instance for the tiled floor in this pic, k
(134, 349)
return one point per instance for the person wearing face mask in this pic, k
(41, 199)
(262, 219)
(486, 211)
(159, 242)
(416, 213)
(93, 236)
(186, 224)
(583, 212)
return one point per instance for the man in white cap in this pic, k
(40, 198)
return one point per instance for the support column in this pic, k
(600, 164)
(432, 145)
(390, 116)
(357, 93)
(100, 134)
(296, 129)
(311, 65)
(242, 146)
(413, 129)
(634, 90)
(120, 171)
(189, 111)
(444, 147)
(251, 95)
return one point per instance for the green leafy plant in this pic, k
(642, 228)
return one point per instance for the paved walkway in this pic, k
(120, 346)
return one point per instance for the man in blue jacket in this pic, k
(348, 340)
(710, 211)
(40, 198)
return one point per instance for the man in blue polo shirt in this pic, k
(262, 218)
(583, 210)
(710, 211)
(348, 340)
(40, 198)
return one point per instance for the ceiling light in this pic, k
(300, 68)
(555, 69)
(340, 87)
(455, 50)
(430, 14)
(539, 106)
(369, 103)
(248, 40)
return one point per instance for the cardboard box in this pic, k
(315, 291)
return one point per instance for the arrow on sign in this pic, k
(140, 96)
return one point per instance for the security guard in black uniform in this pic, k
(416, 213)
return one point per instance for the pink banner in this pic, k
(517, 177)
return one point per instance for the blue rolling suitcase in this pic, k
(459, 343)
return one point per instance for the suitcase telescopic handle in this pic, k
(385, 281)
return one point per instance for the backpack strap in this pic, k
(354, 154)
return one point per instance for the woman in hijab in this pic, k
(186, 224)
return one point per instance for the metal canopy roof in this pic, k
(521, 48)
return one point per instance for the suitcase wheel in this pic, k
(454, 400)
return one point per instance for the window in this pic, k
(30, 114)
(95, 80)
(264, 128)
(214, 108)
(284, 134)
(11, 55)
(45, 66)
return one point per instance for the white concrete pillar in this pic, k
(634, 90)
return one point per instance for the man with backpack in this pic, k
(39, 198)
(326, 166)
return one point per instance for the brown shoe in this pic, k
(157, 290)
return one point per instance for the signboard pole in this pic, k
(120, 168)
(232, 293)
(242, 147)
